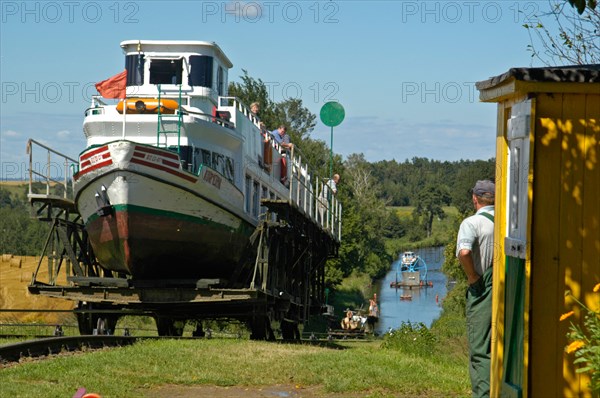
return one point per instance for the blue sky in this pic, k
(403, 70)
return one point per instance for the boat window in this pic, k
(229, 169)
(166, 71)
(197, 159)
(264, 195)
(218, 162)
(201, 71)
(185, 156)
(220, 81)
(224, 165)
(207, 157)
(248, 191)
(255, 198)
(134, 64)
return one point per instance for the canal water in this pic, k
(423, 307)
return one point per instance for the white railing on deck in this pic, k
(45, 164)
(326, 212)
(243, 109)
(323, 208)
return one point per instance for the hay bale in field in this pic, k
(6, 258)
(16, 262)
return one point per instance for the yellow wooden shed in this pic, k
(547, 229)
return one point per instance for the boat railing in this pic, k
(51, 168)
(308, 197)
(99, 104)
(331, 217)
(97, 107)
(313, 199)
(240, 107)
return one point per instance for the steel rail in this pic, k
(55, 345)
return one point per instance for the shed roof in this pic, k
(567, 74)
(501, 85)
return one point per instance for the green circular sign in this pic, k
(332, 114)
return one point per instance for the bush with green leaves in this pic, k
(411, 338)
(585, 341)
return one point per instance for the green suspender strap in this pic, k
(488, 216)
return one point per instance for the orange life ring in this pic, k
(148, 105)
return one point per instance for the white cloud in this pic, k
(10, 134)
(63, 134)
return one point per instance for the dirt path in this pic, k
(276, 391)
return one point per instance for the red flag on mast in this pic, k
(113, 87)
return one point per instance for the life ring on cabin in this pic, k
(148, 105)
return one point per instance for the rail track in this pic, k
(50, 345)
(55, 345)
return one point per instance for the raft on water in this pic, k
(411, 280)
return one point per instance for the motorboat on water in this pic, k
(408, 260)
(411, 272)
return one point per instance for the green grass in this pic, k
(433, 365)
(360, 368)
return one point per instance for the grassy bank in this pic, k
(360, 369)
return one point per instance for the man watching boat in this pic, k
(475, 252)
(283, 139)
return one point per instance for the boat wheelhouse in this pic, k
(408, 260)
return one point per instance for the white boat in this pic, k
(171, 182)
(413, 266)
(408, 260)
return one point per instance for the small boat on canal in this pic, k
(413, 272)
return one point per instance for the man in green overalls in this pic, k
(475, 252)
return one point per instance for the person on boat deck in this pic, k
(331, 186)
(475, 252)
(255, 109)
(283, 139)
(329, 189)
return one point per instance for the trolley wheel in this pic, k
(168, 326)
(87, 322)
(260, 329)
(199, 332)
(101, 326)
(289, 330)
